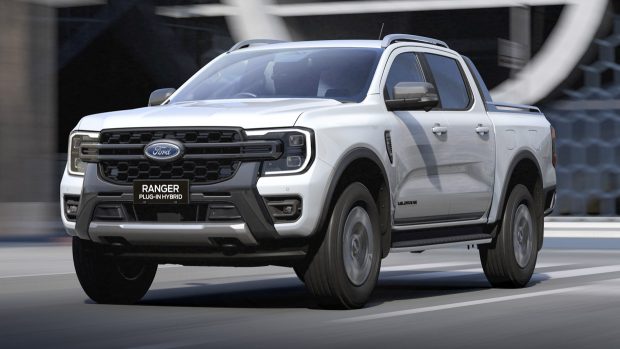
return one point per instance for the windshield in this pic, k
(343, 74)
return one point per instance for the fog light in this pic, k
(72, 203)
(284, 208)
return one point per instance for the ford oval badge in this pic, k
(164, 150)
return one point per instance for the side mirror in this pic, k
(158, 97)
(413, 96)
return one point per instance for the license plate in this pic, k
(161, 192)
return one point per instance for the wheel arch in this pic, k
(360, 165)
(522, 164)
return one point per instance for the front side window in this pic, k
(405, 68)
(343, 74)
(453, 92)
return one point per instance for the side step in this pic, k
(416, 240)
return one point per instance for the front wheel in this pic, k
(509, 260)
(109, 280)
(344, 269)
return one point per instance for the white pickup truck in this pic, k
(322, 156)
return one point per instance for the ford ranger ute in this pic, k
(323, 156)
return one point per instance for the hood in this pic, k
(245, 113)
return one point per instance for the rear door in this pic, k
(468, 174)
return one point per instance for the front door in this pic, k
(420, 151)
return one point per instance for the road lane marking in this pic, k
(462, 272)
(589, 230)
(561, 274)
(32, 275)
(71, 272)
(456, 305)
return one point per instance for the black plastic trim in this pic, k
(482, 87)
(524, 154)
(548, 194)
(242, 188)
(440, 218)
(348, 159)
(436, 236)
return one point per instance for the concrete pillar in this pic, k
(520, 34)
(515, 52)
(28, 179)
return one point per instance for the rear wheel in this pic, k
(110, 280)
(344, 269)
(509, 261)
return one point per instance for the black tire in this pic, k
(108, 280)
(340, 284)
(509, 260)
(300, 270)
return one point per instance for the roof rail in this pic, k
(392, 38)
(253, 42)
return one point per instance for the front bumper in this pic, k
(245, 190)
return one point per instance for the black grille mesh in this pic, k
(198, 171)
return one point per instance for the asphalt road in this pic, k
(436, 299)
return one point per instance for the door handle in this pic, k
(439, 130)
(482, 130)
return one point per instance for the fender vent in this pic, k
(388, 146)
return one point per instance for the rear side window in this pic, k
(453, 91)
(405, 67)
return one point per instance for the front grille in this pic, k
(207, 159)
(185, 136)
(197, 171)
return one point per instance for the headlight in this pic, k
(296, 150)
(75, 164)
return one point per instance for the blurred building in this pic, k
(63, 59)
